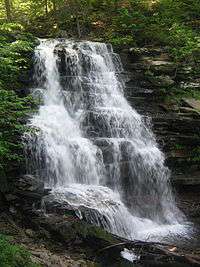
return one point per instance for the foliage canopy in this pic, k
(123, 22)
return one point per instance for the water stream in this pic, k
(93, 149)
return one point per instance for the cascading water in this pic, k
(92, 149)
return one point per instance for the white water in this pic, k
(92, 149)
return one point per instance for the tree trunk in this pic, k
(54, 5)
(78, 27)
(76, 9)
(8, 10)
(46, 7)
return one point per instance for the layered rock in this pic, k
(152, 81)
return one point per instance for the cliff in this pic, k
(169, 94)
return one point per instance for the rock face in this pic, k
(151, 79)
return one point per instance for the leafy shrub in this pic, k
(11, 27)
(16, 49)
(164, 22)
(183, 42)
(13, 111)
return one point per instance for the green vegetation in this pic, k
(176, 94)
(16, 48)
(179, 146)
(14, 255)
(195, 154)
(174, 24)
(13, 110)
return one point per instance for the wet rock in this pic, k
(28, 191)
(31, 187)
(60, 49)
(75, 213)
(30, 183)
(61, 52)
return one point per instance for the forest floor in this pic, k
(49, 251)
(45, 251)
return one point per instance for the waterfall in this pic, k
(92, 148)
